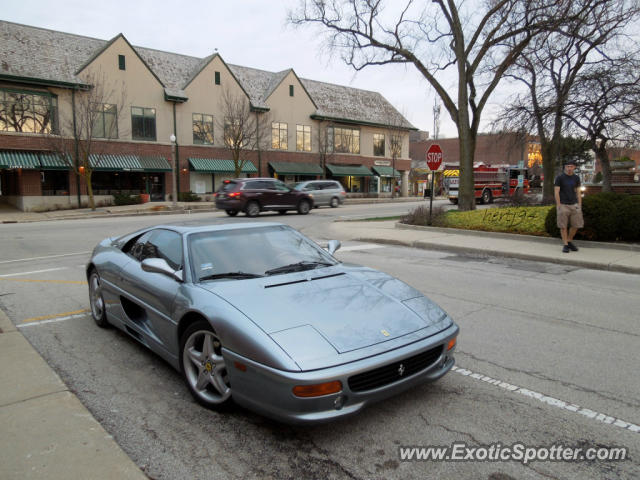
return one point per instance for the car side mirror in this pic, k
(160, 265)
(333, 246)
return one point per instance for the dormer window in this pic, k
(121, 62)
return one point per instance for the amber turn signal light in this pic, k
(317, 390)
(452, 343)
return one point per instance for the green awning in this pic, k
(154, 164)
(386, 171)
(115, 163)
(294, 168)
(19, 159)
(55, 161)
(217, 165)
(349, 171)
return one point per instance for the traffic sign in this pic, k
(434, 157)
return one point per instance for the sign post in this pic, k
(434, 159)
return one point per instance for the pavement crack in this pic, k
(18, 402)
(451, 430)
(541, 376)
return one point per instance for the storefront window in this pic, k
(55, 182)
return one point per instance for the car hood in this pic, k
(335, 310)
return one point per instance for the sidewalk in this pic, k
(46, 432)
(595, 255)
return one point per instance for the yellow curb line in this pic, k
(47, 317)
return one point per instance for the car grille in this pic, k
(393, 372)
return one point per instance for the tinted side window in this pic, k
(167, 245)
(256, 185)
(228, 187)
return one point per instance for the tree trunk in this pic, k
(603, 157)
(87, 176)
(466, 190)
(549, 171)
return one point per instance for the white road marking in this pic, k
(34, 271)
(554, 402)
(360, 247)
(51, 320)
(44, 258)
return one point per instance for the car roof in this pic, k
(184, 229)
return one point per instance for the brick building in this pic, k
(311, 129)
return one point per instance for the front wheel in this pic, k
(96, 300)
(334, 202)
(303, 207)
(232, 213)
(253, 209)
(203, 367)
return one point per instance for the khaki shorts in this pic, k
(570, 215)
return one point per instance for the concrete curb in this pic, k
(426, 245)
(629, 247)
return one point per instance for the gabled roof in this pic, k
(47, 57)
(106, 46)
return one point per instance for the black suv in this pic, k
(254, 195)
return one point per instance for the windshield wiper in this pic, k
(236, 275)
(297, 267)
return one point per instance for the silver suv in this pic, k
(325, 192)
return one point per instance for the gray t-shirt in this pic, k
(568, 185)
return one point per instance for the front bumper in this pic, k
(269, 391)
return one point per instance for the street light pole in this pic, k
(174, 176)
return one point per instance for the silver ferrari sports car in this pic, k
(259, 314)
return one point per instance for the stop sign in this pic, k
(434, 157)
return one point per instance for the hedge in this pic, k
(607, 217)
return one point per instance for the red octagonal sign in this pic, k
(434, 157)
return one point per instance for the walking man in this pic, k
(568, 205)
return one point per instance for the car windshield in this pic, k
(296, 186)
(253, 252)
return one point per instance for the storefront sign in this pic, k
(382, 163)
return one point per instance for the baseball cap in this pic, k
(570, 162)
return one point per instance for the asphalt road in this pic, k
(547, 355)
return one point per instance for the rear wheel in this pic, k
(232, 213)
(252, 209)
(203, 367)
(303, 207)
(334, 202)
(96, 300)
(486, 196)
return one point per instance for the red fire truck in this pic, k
(491, 182)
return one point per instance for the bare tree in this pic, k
(396, 133)
(550, 67)
(95, 120)
(605, 108)
(242, 131)
(325, 151)
(479, 42)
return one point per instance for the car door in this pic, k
(283, 195)
(149, 304)
(261, 191)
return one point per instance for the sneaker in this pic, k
(572, 247)
(566, 249)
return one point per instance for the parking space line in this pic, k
(44, 258)
(58, 317)
(34, 271)
(551, 401)
(73, 282)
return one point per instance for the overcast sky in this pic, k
(252, 33)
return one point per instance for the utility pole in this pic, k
(174, 176)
